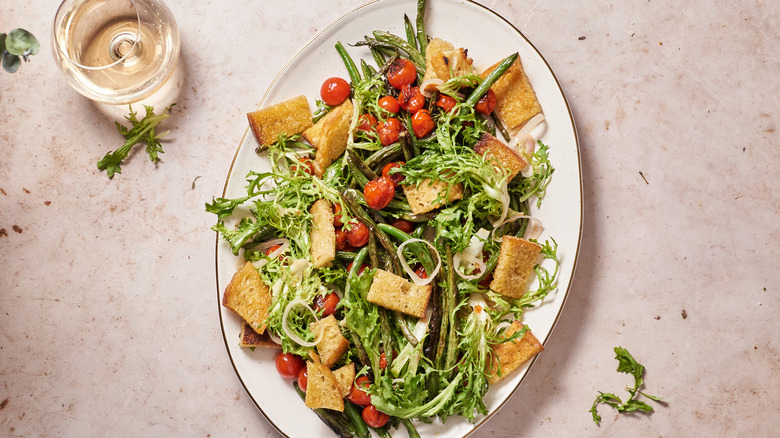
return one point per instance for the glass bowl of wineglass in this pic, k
(115, 51)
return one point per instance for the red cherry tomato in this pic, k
(396, 178)
(389, 104)
(342, 244)
(379, 192)
(327, 303)
(411, 99)
(446, 102)
(357, 235)
(373, 417)
(272, 249)
(366, 123)
(334, 91)
(307, 166)
(382, 360)
(337, 217)
(389, 131)
(289, 365)
(422, 123)
(401, 72)
(357, 395)
(303, 378)
(487, 103)
(403, 225)
(421, 272)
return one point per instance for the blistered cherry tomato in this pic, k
(446, 102)
(307, 165)
(357, 235)
(396, 178)
(487, 103)
(289, 365)
(303, 378)
(389, 131)
(373, 417)
(411, 99)
(422, 123)
(379, 192)
(389, 104)
(337, 218)
(401, 72)
(360, 270)
(342, 244)
(366, 122)
(334, 91)
(403, 225)
(357, 395)
(271, 249)
(327, 303)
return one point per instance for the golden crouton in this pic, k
(249, 338)
(323, 234)
(510, 355)
(516, 101)
(396, 293)
(515, 267)
(329, 136)
(248, 296)
(322, 387)
(430, 195)
(443, 61)
(498, 153)
(289, 117)
(345, 376)
(333, 344)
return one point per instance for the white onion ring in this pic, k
(460, 257)
(533, 231)
(532, 123)
(273, 336)
(416, 278)
(427, 84)
(268, 244)
(292, 335)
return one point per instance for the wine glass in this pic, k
(115, 51)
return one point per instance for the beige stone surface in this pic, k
(108, 316)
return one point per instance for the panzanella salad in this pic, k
(389, 253)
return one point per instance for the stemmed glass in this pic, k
(115, 51)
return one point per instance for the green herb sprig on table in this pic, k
(16, 46)
(141, 131)
(626, 364)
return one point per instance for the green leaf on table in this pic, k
(23, 43)
(628, 365)
(140, 131)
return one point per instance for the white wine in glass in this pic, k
(115, 51)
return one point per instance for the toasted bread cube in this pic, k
(443, 61)
(248, 296)
(329, 136)
(515, 267)
(322, 388)
(333, 344)
(289, 117)
(430, 195)
(249, 338)
(346, 377)
(396, 293)
(323, 234)
(510, 355)
(516, 101)
(498, 153)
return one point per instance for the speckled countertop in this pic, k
(108, 318)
